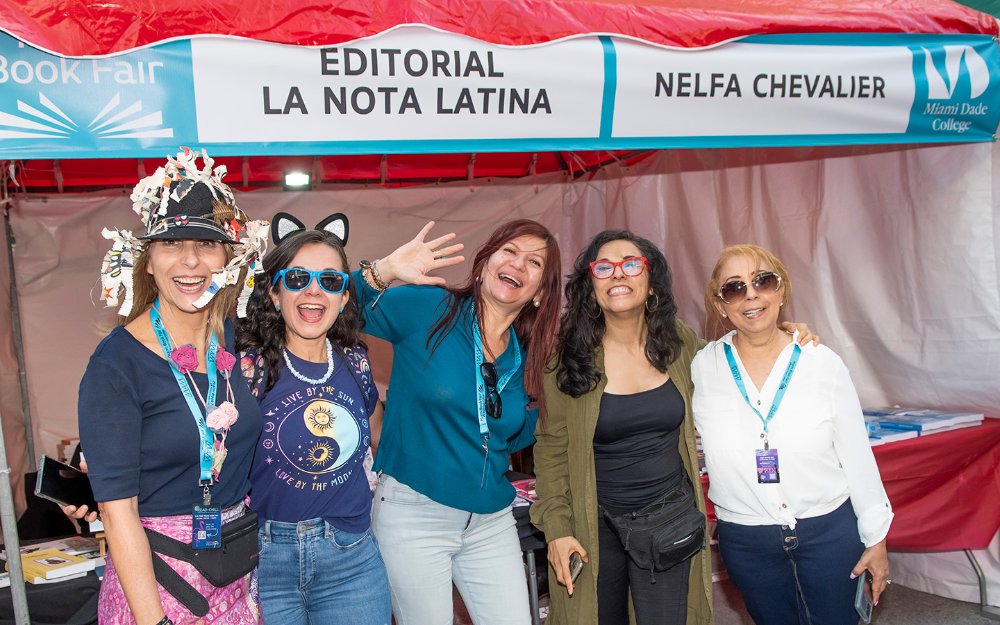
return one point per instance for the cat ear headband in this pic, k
(285, 225)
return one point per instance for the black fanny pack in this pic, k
(237, 557)
(662, 534)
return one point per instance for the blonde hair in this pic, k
(145, 292)
(715, 324)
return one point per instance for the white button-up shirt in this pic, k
(819, 432)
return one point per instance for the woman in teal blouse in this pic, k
(467, 365)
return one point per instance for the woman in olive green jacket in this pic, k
(620, 312)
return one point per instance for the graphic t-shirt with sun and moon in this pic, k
(310, 456)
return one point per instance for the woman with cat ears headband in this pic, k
(303, 353)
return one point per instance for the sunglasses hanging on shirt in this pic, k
(494, 407)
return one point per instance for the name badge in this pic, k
(206, 527)
(767, 466)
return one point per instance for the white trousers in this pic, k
(427, 546)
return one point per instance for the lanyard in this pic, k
(477, 340)
(207, 438)
(789, 370)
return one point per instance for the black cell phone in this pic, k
(575, 566)
(63, 484)
(863, 598)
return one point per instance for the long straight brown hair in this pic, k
(536, 328)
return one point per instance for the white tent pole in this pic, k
(15, 322)
(8, 519)
(12, 543)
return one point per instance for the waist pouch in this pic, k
(236, 558)
(662, 534)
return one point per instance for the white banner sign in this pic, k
(411, 84)
(419, 90)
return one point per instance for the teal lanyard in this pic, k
(207, 438)
(477, 340)
(780, 395)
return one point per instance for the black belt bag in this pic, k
(237, 557)
(662, 534)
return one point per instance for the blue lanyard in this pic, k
(789, 370)
(205, 434)
(477, 340)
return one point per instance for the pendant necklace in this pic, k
(329, 366)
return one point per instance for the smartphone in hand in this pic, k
(863, 597)
(575, 566)
(63, 484)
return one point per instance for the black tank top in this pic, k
(635, 447)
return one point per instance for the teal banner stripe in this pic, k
(610, 86)
(516, 145)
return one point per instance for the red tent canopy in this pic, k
(75, 27)
(78, 28)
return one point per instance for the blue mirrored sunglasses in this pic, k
(297, 278)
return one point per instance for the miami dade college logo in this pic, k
(957, 62)
(957, 98)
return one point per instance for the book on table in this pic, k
(895, 419)
(48, 565)
(84, 546)
(525, 492)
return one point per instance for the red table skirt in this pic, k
(944, 489)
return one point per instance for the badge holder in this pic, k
(767, 465)
(206, 523)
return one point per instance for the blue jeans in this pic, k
(312, 573)
(429, 545)
(798, 576)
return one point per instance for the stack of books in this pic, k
(886, 425)
(51, 565)
(525, 490)
(59, 560)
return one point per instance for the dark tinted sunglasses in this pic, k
(494, 407)
(297, 278)
(736, 290)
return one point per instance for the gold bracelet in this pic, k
(369, 271)
(381, 284)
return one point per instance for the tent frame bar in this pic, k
(8, 517)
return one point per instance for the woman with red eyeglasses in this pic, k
(801, 507)
(616, 437)
(615, 456)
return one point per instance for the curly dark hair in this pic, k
(263, 331)
(582, 324)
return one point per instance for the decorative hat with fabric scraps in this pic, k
(179, 201)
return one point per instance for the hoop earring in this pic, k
(655, 305)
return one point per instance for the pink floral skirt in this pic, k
(235, 604)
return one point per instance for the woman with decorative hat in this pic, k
(169, 432)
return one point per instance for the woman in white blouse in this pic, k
(801, 508)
